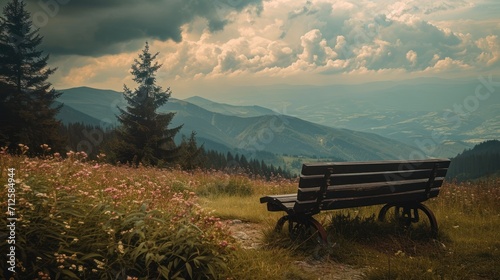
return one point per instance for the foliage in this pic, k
(480, 161)
(122, 221)
(93, 140)
(80, 220)
(144, 136)
(190, 155)
(240, 164)
(26, 99)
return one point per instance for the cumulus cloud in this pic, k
(200, 39)
(330, 37)
(490, 50)
(411, 56)
(96, 27)
(315, 48)
(448, 64)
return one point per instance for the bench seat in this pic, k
(339, 185)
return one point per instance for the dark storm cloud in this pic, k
(97, 27)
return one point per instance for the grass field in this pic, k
(87, 220)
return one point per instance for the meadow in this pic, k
(81, 219)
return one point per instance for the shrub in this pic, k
(74, 228)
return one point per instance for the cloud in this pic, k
(411, 56)
(490, 50)
(330, 37)
(96, 27)
(255, 39)
(315, 48)
(447, 64)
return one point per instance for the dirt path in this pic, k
(249, 235)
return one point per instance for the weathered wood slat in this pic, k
(280, 206)
(370, 189)
(349, 202)
(417, 196)
(307, 181)
(280, 197)
(320, 168)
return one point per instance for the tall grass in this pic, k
(79, 220)
(87, 220)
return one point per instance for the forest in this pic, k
(481, 161)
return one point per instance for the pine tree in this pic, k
(27, 98)
(190, 155)
(144, 136)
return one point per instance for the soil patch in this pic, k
(249, 235)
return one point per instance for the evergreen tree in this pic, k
(190, 155)
(27, 111)
(144, 136)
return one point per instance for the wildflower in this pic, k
(100, 264)
(23, 148)
(42, 195)
(45, 147)
(120, 247)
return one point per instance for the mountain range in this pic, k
(249, 129)
(378, 120)
(449, 115)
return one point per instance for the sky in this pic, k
(209, 44)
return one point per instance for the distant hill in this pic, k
(222, 130)
(481, 161)
(408, 111)
(226, 109)
(69, 115)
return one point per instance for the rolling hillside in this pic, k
(447, 112)
(226, 109)
(274, 133)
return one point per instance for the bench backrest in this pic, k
(336, 185)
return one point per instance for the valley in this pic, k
(373, 121)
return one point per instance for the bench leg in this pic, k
(407, 214)
(302, 227)
(281, 222)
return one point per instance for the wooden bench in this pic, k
(403, 185)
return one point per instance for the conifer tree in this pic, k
(26, 97)
(144, 136)
(190, 155)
